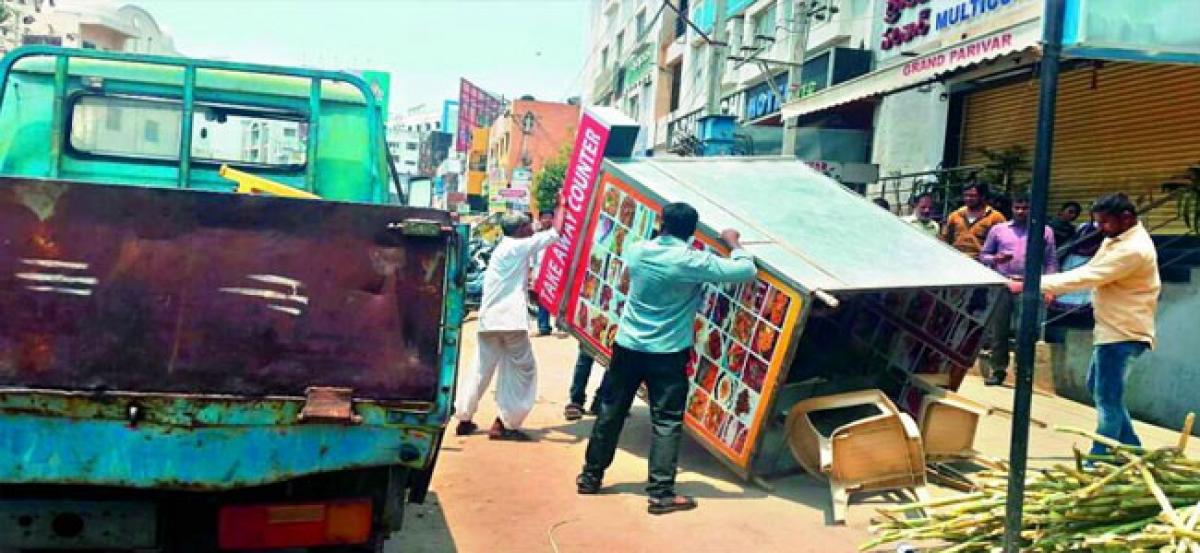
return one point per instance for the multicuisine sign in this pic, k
(910, 23)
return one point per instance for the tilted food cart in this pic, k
(847, 295)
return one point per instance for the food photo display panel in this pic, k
(743, 332)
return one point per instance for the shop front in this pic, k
(920, 45)
(1120, 127)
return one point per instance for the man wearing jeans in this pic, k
(583, 371)
(1124, 275)
(655, 334)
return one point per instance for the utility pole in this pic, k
(716, 60)
(798, 26)
(716, 128)
(1031, 297)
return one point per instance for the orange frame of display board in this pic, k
(746, 334)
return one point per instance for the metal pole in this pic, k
(799, 35)
(716, 59)
(1031, 298)
(185, 127)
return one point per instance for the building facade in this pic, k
(622, 69)
(525, 136)
(82, 24)
(663, 80)
(954, 85)
(477, 160)
(404, 143)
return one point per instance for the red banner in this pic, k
(578, 185)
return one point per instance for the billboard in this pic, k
(380, 83)
(476, 108)
(1162, 31)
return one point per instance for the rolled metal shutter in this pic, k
(1121, 127)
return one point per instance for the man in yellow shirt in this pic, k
(1124, 275)
(967, 228)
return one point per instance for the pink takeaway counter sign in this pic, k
(603, 132)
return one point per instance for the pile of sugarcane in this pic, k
(1129, 500)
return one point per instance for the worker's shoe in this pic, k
(573, 412)
(465, 428)
(586, 484)
(664, 505)
(995, 380)
(500, 432)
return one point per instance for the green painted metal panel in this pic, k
(345, 149)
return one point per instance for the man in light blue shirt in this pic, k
(652, 344)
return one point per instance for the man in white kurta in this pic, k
(504, 333)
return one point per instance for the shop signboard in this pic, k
(380, 83)
(636, 70)
(522, 178)
(602, 131)
(1159, 31)
(763, 99)
(910, 24)
(476, 109)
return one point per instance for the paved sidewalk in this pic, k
(520, 497)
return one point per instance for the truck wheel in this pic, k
(376, 545)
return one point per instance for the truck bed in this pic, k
(168, 291)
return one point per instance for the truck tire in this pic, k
(376, 545)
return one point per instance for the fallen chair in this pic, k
(948, 421)
(860, 442)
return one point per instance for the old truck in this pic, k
(185, 366)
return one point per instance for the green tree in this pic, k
(549, 180)
(1008, 171)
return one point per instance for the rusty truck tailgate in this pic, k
(114, 288)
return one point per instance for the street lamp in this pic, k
(527, 122)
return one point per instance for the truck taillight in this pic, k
(294, 525)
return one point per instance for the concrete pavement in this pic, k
(520, 497)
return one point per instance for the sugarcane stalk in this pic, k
(1186, 432)
(1162, 499)
(934, 503)
(1104, 440)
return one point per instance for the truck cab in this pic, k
(218, 332)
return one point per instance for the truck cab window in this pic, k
(149, 128)
(126, 127)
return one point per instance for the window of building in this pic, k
(764, 22)
(641, 23)
(604, 57)
(676, 81)
(150, 131)
(112, 118)
(618, 45)
(681, 26)
(410, 146)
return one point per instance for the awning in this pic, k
(921, 69)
